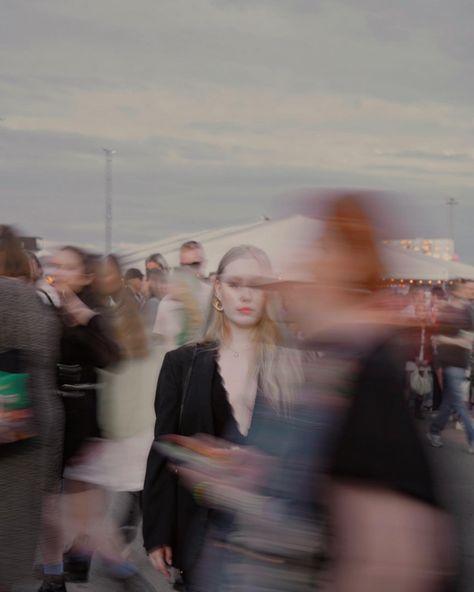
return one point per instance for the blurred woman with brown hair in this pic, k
(389, 529)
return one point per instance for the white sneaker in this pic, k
(435, 440)
(470, 448)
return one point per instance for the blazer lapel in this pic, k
(197, 412)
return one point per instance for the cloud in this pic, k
(215, 107)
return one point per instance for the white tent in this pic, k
(278, 238)
(403, 264)
(458, 270)
(281, 239)
(451, 269)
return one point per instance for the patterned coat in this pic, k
(30, 468)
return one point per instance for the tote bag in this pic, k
(16, 412)
(127, 395)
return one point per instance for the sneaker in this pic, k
(76, 569)
(53, 584)
(435, 440)
(470, 448)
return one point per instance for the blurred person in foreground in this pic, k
(219, 385)
(454, 347)
(128, 389)
(116, 464)
(350, 445)
(86, 344)
(30, 458)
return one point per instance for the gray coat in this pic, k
(28, 469)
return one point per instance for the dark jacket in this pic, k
(85, 347)
(170, 515)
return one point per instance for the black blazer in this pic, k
(170, 515)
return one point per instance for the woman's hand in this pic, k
(77, 311)
(162, 559)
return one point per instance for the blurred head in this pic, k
(157, 281)
(237, 298)
(134, 279)
(350, 257)
(156, 261)
(14, 261)
(110, 277)
(73, 269)
(341, 268)
(191, 256)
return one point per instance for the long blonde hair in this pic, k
(278, 369)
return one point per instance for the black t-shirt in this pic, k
(452, 320)
(379, 443)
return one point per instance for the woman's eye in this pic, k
(233, 285)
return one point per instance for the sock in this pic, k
(53, 569)
(120, 570)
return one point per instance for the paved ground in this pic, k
(456, 474)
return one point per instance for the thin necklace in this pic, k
(236, 353)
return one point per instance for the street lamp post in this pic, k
(451, 203)
(108, 199)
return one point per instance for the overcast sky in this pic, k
(219, 108)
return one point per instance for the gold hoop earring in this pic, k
(217, 304)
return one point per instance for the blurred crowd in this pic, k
(266, 432)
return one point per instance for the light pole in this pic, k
(108, 199)
(451, 203)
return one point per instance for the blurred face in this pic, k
(110, 279)
(192, 259)
(136, 284)
(243, 304)
(68, 272)
(330, 270)
(152, 265)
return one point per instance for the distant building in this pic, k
(439, 248)
(30, 243)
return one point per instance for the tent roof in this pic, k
(278, 238)
(281, 238)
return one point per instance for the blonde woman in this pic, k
(214, 387)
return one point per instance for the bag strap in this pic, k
(184, 392)
(47, 296)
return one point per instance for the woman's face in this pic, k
(110, 279)
(243, 303)
(68, 271)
